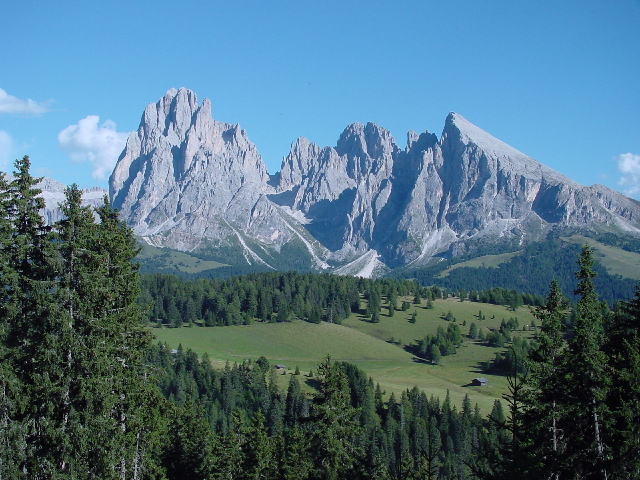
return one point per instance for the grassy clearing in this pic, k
(615, 260)
(174, 260)
(365, 344)
(489, 261)
(428, 320)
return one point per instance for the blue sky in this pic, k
(558, 80)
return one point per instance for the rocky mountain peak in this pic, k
(368, 140)
(171, 115)
(181, 161)
(185, 178)
(459, 129)
(420, 142)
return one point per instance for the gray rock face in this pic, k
(436, 195)
(53, 195)
(184, 178)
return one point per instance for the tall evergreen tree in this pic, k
(33, 328)
(335, 426)
(545, 380)
(585, 381)
(124, 321)
(295, 460)
(188, 453)
(11, 429)
(259, 451)
(623, 349)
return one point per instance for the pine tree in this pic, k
(188, 453)
(123, 319)
(259, 451)
(434, 354)
(33, 330)
(84, 409)
(623, 349)
(228, 450)
(296, 462)
(335, 426)
(545, 380)
(432, 451)
(11, 430)
(586, 380)
(294, 402)
(473, 331)
(416, 298)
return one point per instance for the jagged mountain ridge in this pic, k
(53, 195)
(192, 183)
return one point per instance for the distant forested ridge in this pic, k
(530, 271)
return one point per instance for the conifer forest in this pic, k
(86, 392)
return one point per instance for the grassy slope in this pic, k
(483, 261)
(364, 344)
(164, 259)
(616, 260)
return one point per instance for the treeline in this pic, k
(529, 272)
(265, 297)
(284, 296)
(236, 423)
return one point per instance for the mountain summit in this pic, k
(192, 183)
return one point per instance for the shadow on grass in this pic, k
(313, 383)
(422, 361)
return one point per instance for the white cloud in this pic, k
(11, 104)
(6, 149)
(629, 167)
(90, 141)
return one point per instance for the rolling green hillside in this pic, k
(165, 260)
(614, 259)
(485, 261)
(531, 269)
(366, 345)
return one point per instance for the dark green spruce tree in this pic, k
(34, 338)
(623, 349)
(586, 382)
(11, 430)
(545, 382)
(135, 400)
(335, 428)
(84, 406)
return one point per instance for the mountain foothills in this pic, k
(194, 184)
